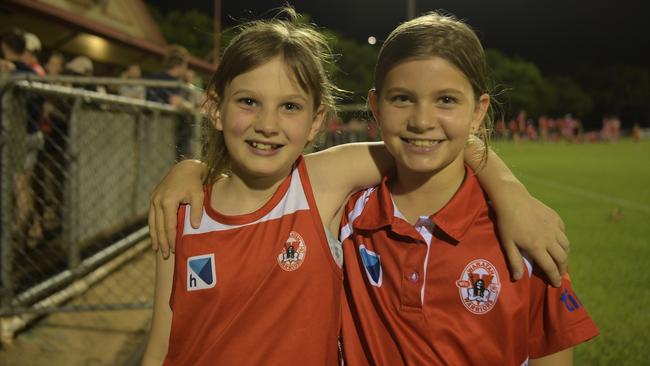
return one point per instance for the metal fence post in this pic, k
(6, 250)
(71, 214)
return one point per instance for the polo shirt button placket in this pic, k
(414, 277)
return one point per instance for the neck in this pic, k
(423, 194)
(240, 194)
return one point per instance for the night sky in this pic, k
(557, 35)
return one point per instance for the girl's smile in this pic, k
(426, 110)
(267, 119)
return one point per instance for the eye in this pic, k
(447, 100)
(400, 100)
(291, 107)
(249, 102)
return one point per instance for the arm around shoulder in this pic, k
(351, 166)
(523, 222)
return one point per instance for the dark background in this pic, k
(559, 36)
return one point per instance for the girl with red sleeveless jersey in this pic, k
(258, 281)
(426, 281)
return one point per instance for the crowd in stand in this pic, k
(38, 183)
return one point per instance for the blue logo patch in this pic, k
(570, 300)
(372, 263)
(200, 272)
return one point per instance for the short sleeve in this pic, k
(558, 319)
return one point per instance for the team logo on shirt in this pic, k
(372, 264)
(200, 272)
(293, 252)
(479, 286)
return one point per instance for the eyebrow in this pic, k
(449, 91)
(295, 96)
(290, 96)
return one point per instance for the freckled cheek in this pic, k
(238, 123)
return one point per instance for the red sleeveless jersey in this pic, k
(439, 292)
(256, 289)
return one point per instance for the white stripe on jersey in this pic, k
(346, 230)
(294, 200)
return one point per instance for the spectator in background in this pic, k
(175, 69)
(79, 66)
(26, 224)
(32, 50)
(194, 93)
(132, 71)
(636, 133)
(82, 66)
(54, 64)
(52, 159)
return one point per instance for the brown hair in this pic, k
(176, 56)
(303, 50)
(443, 36)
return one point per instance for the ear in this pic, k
(317, 123)
(215, 117)
(373, 103)
(479, 112)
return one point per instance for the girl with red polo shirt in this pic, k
(426, 281)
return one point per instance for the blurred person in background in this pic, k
(175, 69)
(636, 133)
(54, 64)
(32, 50)
(52, 161)
(195, 84)
(132, 71)
(26, 224)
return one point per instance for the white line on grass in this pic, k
(587, 193)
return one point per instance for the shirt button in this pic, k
(414, 277)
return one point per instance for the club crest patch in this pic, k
(293, 252)
(479, 286)
(200, 272)
(372, 264)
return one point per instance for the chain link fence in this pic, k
(77, 167)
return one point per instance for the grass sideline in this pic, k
(609, 252)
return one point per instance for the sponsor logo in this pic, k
(372, 264)
(570, 300)
(200, 272)
(479, 286)
(293, 252)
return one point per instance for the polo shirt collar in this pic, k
(455, 218)
(458, 215)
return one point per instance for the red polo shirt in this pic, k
(439, 292)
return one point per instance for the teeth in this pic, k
(263, 146)
(423, 143)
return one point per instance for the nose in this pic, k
(266, 123)
(423, 118)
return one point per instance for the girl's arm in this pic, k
(183, 184)
(162, 315)
(523, 222)
(337, 172)
(562, 358)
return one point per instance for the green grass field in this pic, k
(609, 258)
